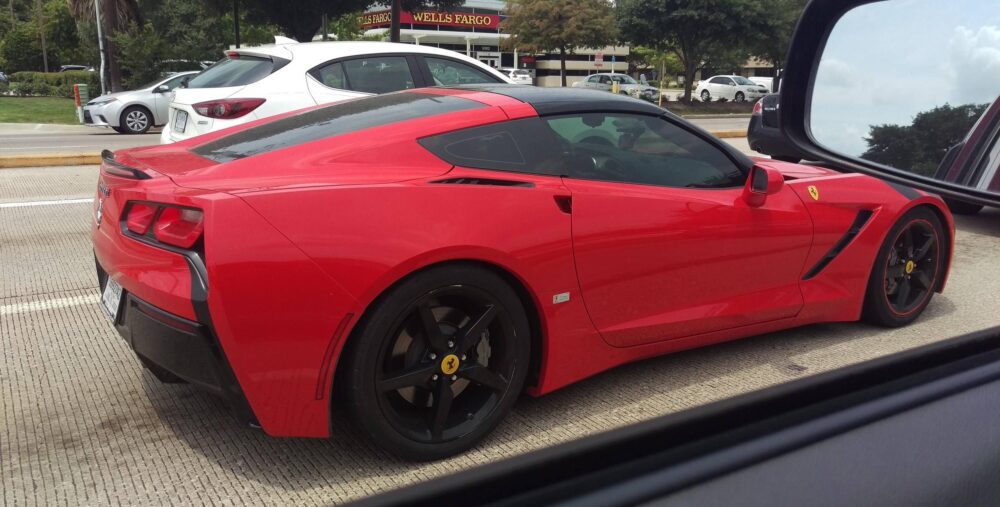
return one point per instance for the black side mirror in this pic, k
(839, 103)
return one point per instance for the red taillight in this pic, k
(227, 109)
(140, 217)
(758, 108)
(171, 225)
(180, 227)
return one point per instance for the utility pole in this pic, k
(100, 45)
(236, 21)
(395, 13)
(41, 33)
(325, 27)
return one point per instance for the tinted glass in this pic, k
(744, 81)
(641, 149)
(449, 72)
(175, 82)
(525, 145)
(336, 119)
(720, 80)
(382, 74)
(235, 72)
(331, 75)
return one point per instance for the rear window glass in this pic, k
(525, 146)
(236, 72)
(336, 119)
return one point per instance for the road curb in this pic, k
(49, 159)
(65, 159)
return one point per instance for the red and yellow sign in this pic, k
(384, 18)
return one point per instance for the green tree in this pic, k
(299, 20)
(547, 25)
(771, 45)
(20, 49)
(139, 53)
(920, 146)
(348, 27)
(116, 16)
(695, 30)
(413, 5)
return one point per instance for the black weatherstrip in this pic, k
(908, 192)
(859, 223)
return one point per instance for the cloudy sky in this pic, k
(886, 62)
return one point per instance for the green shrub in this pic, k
(4, 88)
(54, 83)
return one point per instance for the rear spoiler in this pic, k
(115, 168)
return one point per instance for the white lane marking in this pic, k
(48, 304)
(26, 204)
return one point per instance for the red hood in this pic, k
(794, 171)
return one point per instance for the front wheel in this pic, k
(907, 270)
(438, 362)
(136, 120)
(705, 96)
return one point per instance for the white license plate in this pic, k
(111, 300)
(180, 121)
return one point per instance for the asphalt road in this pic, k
(82, 423)
(31, 139)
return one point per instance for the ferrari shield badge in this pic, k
(814, 192)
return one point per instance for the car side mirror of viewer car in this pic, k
(762, 182)
(856, 98)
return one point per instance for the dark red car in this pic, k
(427, 256)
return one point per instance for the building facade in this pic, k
(474, 30)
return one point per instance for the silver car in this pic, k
(135, 111)
(626, 85)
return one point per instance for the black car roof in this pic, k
(548, 101)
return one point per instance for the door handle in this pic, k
(565, 203)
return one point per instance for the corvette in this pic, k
(424, 257)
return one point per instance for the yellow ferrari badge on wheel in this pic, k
(814, 192)
(449, 364)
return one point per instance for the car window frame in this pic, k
(418, 77)
(706, 138)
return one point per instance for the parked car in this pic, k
(626, 85)
(734, 88)
(66, 68)
(519, 76)
(366, 248)
(3, 77)
(134, 111)
(253, 83)
(764, 132)
(766, 82)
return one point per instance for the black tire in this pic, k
(397, 374)
(739, 97)
(119, 130)
(962, 207)
(136, 120)
(794, 160)
(907, 270)
(706, 96)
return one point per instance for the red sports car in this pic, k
(426, 256)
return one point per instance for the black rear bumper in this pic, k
(173, 347)
(769, 140)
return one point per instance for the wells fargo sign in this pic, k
(384, 18)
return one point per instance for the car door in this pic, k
(441, 71)
(665, 246)
(161, 100)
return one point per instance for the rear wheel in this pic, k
(907, 270)
(438, 362)
(705, 96)
(740, 97)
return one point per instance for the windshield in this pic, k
(236, 71)
(743, 81)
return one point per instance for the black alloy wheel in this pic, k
(907, 270)
(439, 373)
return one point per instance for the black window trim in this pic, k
(710, 139)
(419, 79)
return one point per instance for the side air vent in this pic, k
(485, 181)
(859, 223)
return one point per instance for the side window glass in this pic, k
(594, 79)
(331, 75)
(524, 146)
(718, 80)
(378, 75)
(641, 149)
(449, 72)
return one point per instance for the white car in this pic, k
(734, 88)
(519, 76)
(766, 82)
(134, 111)
(254, 83)
(626, 85)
